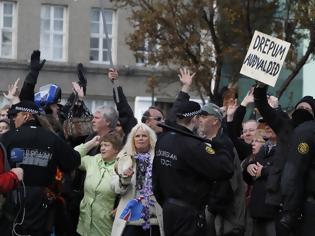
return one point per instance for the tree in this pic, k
(211, 36)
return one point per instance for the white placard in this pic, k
(264, 58)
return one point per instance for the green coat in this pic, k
(98, 201)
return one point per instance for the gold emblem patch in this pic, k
(303, 148)
(210, 150)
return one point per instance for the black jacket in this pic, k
(298, 179)
(125, 113)
(234, 131)
(43, 152)
(281, 124)
(221, 194)
(38, 152)
(185, 165)
(258, 207)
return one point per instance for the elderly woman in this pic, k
(133, 181)
(256, 172)
(97, 204)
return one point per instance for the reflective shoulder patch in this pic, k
(303, 148)
(209, 149)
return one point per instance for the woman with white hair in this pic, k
(134, 182)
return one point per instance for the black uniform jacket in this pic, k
(40, 152)
(298, 178)
(185, 165)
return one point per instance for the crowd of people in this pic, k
(199, 170)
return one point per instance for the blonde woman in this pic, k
(97, 204)
(134, 181)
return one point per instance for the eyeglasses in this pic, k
(157, 118)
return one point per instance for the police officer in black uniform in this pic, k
(38, 152)
(183, 168)
(298, 183)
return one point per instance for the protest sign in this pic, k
(264, 58)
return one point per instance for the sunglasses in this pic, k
(157, 118)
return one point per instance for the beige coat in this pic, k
(128, 194)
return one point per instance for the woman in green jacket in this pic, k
(97, 204)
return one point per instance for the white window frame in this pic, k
(143, 54)
(49, 55)
(101, 36)
(13, 29)
(146, 50)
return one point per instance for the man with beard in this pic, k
(226, 204)
(183, 168)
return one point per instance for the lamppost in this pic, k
(152, 83)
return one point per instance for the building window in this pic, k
(53, 32)
(142, 54)
(98, 45)
(8, 29)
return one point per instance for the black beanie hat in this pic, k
(308, 99)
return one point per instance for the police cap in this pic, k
(23, 106)
(188, 109)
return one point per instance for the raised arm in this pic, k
(273, 117)
(186, 78)
(27, 91)
(125, 113)
(11, 95)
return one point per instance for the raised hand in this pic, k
(78, 90)
(273, 101)
(81, 75)
(12, 95)
(231, 110)
(36, 65)
(249, 98)
(186, 78)
(260, 84)
(112, 74)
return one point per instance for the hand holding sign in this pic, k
(265, 58)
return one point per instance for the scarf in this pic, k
(144, 185)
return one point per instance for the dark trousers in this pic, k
(183, 221)
(6, 230)
(132, 230)
(264, 227)
(307, 226)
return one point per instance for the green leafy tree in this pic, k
(211, 36)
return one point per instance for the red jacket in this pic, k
(8, 180)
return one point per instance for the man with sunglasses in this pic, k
(152, 117)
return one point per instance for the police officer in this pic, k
(38, 152)
(183, 168)
(298, 183)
